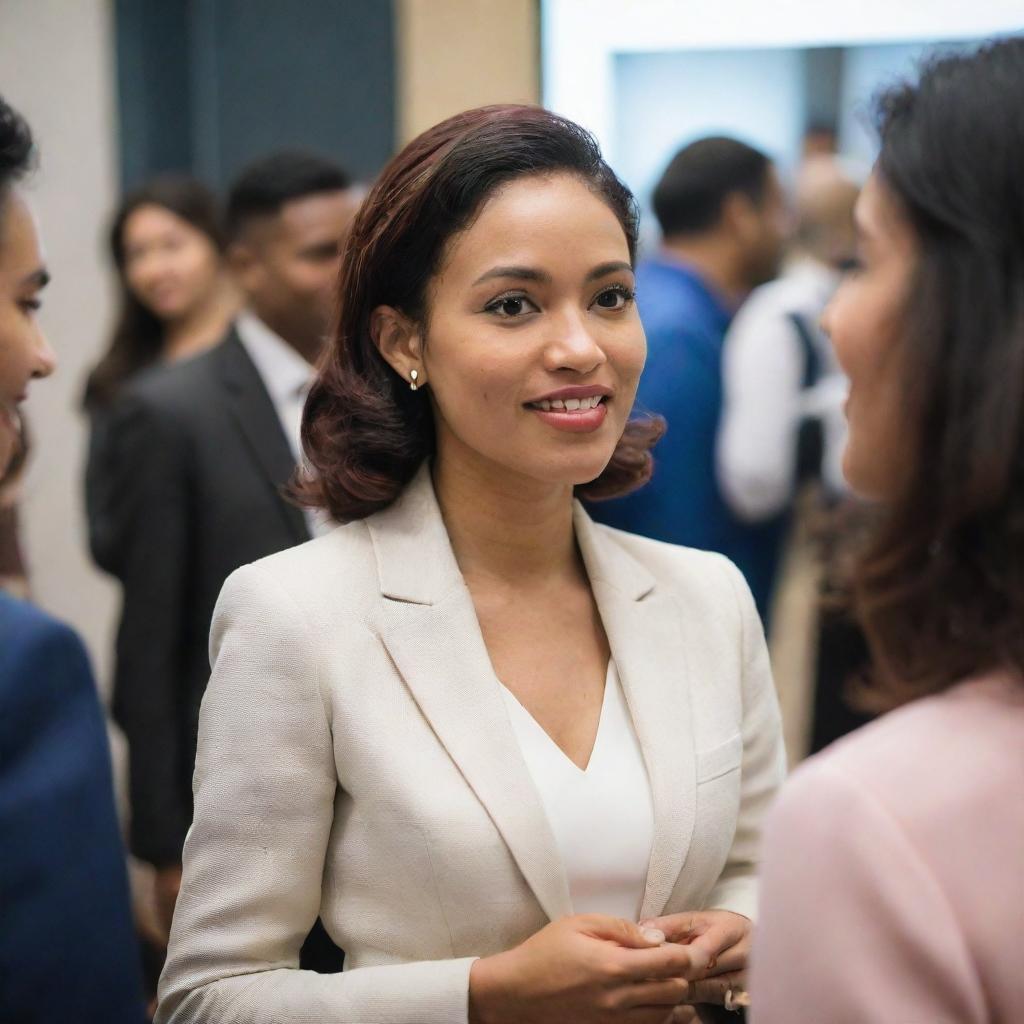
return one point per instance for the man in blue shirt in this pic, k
(722, 216)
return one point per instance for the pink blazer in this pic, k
(893, 871)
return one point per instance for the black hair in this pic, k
(265, 186)
(689, 195)
(137, 339)
(16, 147)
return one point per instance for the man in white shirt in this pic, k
(779, 372)
(203, 450)
(782, 422)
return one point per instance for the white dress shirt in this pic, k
(287, 378)
(763, 398)
(602, 817)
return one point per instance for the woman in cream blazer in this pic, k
(357, 759)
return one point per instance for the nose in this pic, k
(574, 346)
(44, 358)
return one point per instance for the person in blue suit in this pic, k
(723, 220)
(67, 946)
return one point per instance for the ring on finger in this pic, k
(736, 999)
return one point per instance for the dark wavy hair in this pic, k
(363, 431)
(940, 590)
(138, 335)
(17, 150)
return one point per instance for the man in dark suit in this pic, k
(199, 453)
(67, 948)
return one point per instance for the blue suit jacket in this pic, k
(686, 323)
(67, 944)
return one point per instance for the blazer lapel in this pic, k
(254, 412)
(429, 627)
(646, 639)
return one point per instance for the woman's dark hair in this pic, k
(364, 432)
(16, 148)
(940, 591)
(138, 336)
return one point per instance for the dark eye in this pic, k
(614, 298)
(30, 306)
(511, 307)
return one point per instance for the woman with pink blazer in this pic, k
(893, 863)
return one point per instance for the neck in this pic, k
(503, 526)
(308, 346)
(202, 326)
(716, 261)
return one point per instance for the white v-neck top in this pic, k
(602, 818)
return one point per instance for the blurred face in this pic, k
(171, 267)
(533, 347)
(24, 352)
(865, 321)
(287, 265)
(766, 231)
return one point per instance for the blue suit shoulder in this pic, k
(67, 948)
(31, 642)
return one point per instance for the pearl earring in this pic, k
(413, 377)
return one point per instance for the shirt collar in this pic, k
(285, 373)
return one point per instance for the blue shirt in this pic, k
(686, 322)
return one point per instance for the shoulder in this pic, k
(772, 303)
(957, 756)
(38, 654)
(27, 631)
(669, 300)
(184, 385)
(332, 575)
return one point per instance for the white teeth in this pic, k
(569, 404)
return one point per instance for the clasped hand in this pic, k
(592, 969)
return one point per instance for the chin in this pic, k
(573, 471)
(864, 477)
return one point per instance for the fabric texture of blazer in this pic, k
(356, 760)
(183, 486)
(67, 942)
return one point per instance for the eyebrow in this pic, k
(542, 277)
(37, 279)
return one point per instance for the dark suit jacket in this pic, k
(67, 944)
(183, 487)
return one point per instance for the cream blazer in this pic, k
(356, 761)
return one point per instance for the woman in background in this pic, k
(176, 296)
(177, 300)
(893, 864)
